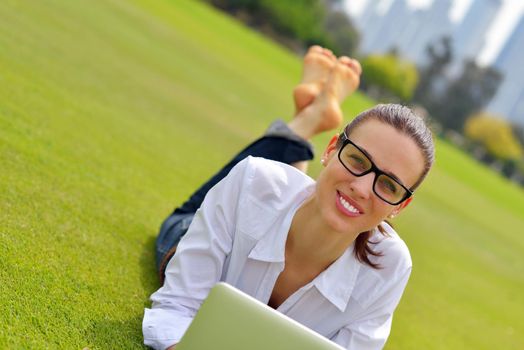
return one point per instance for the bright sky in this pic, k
(500, 29)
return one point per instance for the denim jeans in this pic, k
(171, 232)
(279, 143)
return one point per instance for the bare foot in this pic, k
(344, 79)
(325, 113)
(318, 62)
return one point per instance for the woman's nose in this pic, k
(362, 186)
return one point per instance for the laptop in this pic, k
(232, 320)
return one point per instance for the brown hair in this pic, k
(407, 122)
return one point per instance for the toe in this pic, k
(329, 53)
(357, 66)
(315, 49)
(351, 63)
(345, 60)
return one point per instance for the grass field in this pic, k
(111, 112)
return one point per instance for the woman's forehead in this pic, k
(390, 149)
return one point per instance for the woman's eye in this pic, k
(388, 185)
(357, 161)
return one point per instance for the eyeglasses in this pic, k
(385, 186)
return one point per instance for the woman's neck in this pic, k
(311, 242)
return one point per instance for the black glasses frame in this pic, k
(373, 169)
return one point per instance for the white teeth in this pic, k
(348, 206)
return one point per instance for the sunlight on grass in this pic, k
(112, 112)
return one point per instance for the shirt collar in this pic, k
(272, 248)
(336, 283)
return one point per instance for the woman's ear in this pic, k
(331, 147)
(405, 203)
(398, 209)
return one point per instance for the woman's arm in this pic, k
(197, 265)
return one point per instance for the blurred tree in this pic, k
(299, 18)
(341, 32)
(334, 3)
(297, 23)
(466, 95)
(495, 134)
(452, 101)
(388, 76)
(518, 130)
(235, 5)
(440, 56)
(292, 22)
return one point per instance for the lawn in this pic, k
(112, 112)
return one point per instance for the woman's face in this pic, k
(347, 202)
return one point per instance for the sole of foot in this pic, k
(324, 113)
(318, 62)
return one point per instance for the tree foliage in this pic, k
(440, 56)
(340, 32)
(298, 18)
(495, 134)
(389, 75)
(452, 100)
(518, 130)
(466, 95)
(297, 23)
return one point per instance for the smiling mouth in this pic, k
(348, 208)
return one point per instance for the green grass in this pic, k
(112, 112)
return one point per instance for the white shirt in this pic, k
(238, 236)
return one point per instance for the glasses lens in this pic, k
(385, 187)
(354, 160)
(389, 189)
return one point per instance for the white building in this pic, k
(394, 25)
(469, 36)
(509, 99)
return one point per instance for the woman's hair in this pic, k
(408, 123)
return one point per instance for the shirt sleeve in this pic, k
(371, 328)
(197, 265)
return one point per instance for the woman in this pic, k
(319, 252)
